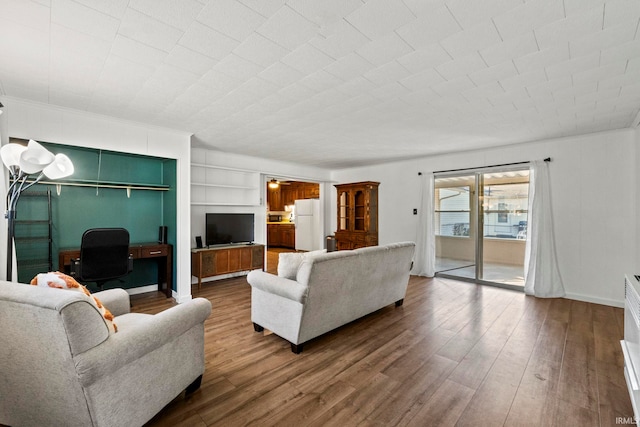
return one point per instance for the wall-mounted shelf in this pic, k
(106, 184)
(224, 186)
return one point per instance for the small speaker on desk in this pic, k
(199, 242)
(162, 234)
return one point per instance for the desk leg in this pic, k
(165, 273)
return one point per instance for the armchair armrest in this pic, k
(131, 344)
(116, 300)
(273, 284)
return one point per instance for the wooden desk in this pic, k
(163, 252)
(216, 260)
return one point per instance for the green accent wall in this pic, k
(77, 209)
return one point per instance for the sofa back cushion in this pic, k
(346, 285)
(289, 262)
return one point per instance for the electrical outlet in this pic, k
(415, 211)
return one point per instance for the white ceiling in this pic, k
(333, 83)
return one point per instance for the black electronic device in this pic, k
(162, 234)
(226, 228)
(199, 242)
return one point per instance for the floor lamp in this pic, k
(27, 166)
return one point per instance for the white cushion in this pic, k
(289, 262)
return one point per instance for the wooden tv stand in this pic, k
(225, 259)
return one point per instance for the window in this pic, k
(452, 210)
(505, 206)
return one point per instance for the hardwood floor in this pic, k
(454, 354)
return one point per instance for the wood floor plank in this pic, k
(409, 396)
(355, 409)
(454, 354)
(443, 408)
(312, 406)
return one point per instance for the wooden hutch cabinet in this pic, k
(357, 215)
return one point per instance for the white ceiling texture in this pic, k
(333, 83)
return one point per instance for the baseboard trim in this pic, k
(142, 289)
(194, 280)
(595, 300)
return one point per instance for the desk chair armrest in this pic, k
(115, 300)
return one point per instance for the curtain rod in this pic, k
(548, 159)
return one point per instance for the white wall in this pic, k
(594, 190)
(636, 269)
(43, 122)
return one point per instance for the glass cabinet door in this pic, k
(343, 211)
(359, 202)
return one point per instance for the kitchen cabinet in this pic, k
(299, 190)
(312, 191)
(289, 194)
(274, 199)
(289, 236)
(282, 235)
(357, 215)
(273, 235)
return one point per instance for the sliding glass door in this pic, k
(481, 225)
(456, 225)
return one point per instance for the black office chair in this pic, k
(104, 256)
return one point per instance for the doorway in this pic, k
(289, 226)
(481, 225)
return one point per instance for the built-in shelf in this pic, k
(224, 186)
(239, 187)
(196, 203)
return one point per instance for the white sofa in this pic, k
(317, 292)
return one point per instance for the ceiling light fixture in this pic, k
(273, 184)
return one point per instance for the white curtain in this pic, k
(542, 276)
(425, 258)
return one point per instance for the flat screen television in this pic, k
(225, 228)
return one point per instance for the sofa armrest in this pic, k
(273, 284)
(116, 300)
(131, 344)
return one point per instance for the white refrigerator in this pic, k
(307, 220)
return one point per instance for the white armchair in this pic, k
(61, 366)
